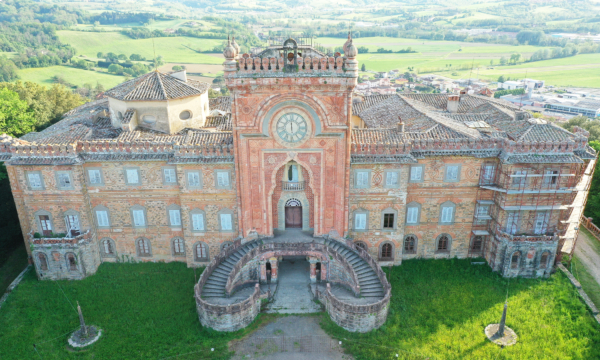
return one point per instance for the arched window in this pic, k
(107, 246)
(201, 252)
(178, 247)
(387, 252)
(143, 247)
(477, 243)
(410, 244)
(293, 202)
(514, 260)
(544, 260)
(225, 245)
(71, 262)
(43, 261)
(443, 243)
(362, 245)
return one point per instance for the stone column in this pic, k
(274, 263)
(313, 269)
(263, 271)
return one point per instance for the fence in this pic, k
(588, 224)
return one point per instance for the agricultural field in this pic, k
(76, 77)
(439, 309)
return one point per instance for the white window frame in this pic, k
(362, 178)
(99, 217)
(195, 216)
(360, 220)
(174, 216)
(447, 213)
(169, 175)
(487, 174)
(61, 174)
(452, 173)
(223, 221)
(111, 243)
(390, 175)
(72, 222)
(206, 248)
(145, 242)
(513, 219)
(417, 173)
(190, 185)
(519, 181)
(221, 175)
(542, 218)
(97, 180)
(549, 176)
(131, 171)
(36, 184)
(175, 245)
(413, 213)
(139, 219)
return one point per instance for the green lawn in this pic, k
(71, 75)
(12, 267)
(172, 49)
(440, 308)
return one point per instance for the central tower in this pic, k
(291, 117)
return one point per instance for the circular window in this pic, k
(149, 119)
(185, 115)
(120, 115)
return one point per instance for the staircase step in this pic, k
(216, 282)
(371, 287)
(369, 282)
(214, 287)
(372, 293)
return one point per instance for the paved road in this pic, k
(587, 252)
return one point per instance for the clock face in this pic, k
(291, 128)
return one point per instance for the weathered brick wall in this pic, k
(529, 263)
(229, 318)
(86, 256)
(356, 318)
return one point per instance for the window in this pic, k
(293, 173)
(410, 244)
(392, 178)
(222, 179)
(483, 213)
(412, 213)
(551, 178)
(452, 173)
(386, 251)
(487, 174)
(178, 247)
(197, 217)
(362, 245)
(512, 222)
(360, 221)
(143, 247)
(72, 224)
(184, 115)
(362, 179)
(477, 243)
(519, 178)
(95, 177)
(35, 180)
(514, 260)
(194, 179)
(443, 243)
(107, 247)
(541, 222)
(169, 176)
(43, 261)
(138, 216)
(416, 173)
(226, 221)
(201, 252)
(544, 260)
(45, 225)
(102, 218)
(71, 262)
(63, 180)
(174, 214)
(132, 176)
(388, 221)
(447, 211)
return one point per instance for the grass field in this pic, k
(14, 264)
(172, 49)
(71, 75)
(439, 309)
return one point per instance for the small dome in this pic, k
(351, 50)
(235, 46)
(229, 51)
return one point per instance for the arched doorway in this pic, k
(293, 214)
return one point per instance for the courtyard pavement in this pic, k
(293, 295)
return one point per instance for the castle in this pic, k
(157, 171)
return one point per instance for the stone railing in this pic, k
(588, 224)
(248, 64)
(292, 185)
(533, 238)
(373, 264)
(63, 241)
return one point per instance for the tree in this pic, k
(176, 68)
(592, 208)
(514, 58)
(100, 55)
(492, 62)
(8, 69)
(503, 61)
(592, 126)
(15, 117)
(115, 69)
(501, 79)
(363, 67)
(136, 57)
(122, 57)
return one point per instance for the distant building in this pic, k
(589, 108)
(521, 84)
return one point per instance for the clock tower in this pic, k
(291, 127)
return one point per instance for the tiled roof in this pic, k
(221, 103)
(221, 123)
(43, 160)
(128, 116)
(540, 159)
(367, 102)
(529, 131)
(156, 86)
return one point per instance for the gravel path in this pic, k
(587, 250)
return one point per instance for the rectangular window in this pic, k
(170, 176)
(412, 215)
(193, 179)
(95, 176)
(72, 222)
(388, 221)
(483, 210)
(360, 221)
(416, 173)
(362, 179)
(519, 178)
(551, 178)
(35, 180)
(46, 225)
(132, 176)
(198, 222)
(487, 174)
(541, 222)
(138, 218)
(391, 179)
(102, 217)
(175, 217)
(447, 214)
(512, 222)
(226, 224)
(64, 180)
(452, 172)
(222, 179)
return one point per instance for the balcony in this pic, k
(66, 239)
(523, 237)
(292, 185)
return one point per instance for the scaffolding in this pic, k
(522, 202)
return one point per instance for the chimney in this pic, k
(453, 102)
(400, 125)
(181, 75)
(463, 93)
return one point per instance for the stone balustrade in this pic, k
(531, 238)
(61, 241)
(247, 64)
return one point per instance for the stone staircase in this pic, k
(370, 285)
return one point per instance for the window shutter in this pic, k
(198, 221)
(413, 213)
(34, 180)
(447, 214)
(170, 175)
(362, 179)
(138, 218)
(132, 176)
(107, 249)
(95, 177)
(452, 172)
(223, 179)
(416, 173)
(102, 218)
(175, 217)
(194, 179)
(64, 180)
(226, 222)
(361, 221)
(391, 178)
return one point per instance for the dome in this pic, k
(351, 51)
(229, 51)
(235, 46)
